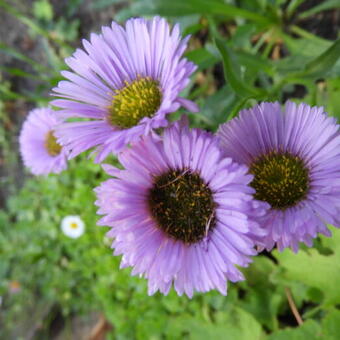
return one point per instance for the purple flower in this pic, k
(39, 149)
(294, 155)
(124, 84)
(179, 212)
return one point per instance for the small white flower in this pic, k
(72, 226)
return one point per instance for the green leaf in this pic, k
(202, 58)
(323, 6)
(314, 269)
(239, 325)
(333, 100)
(15, 54)
(309, 330)
(255, 62)
(20, 73)
(292, 6)
(43, 10)
(233, 324)
(325, 61)
(307, 35)
(262, 299)
(216, 108)
(187, 7)
(232, 72)
(331, 325)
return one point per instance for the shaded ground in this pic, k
(15, 35)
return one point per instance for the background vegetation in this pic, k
(53, 287)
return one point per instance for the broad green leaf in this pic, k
(309, 330)
(331, 325)
(239, 325)
(233, 324)
(314, 269)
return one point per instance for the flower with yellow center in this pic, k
(294, 155)
(39, 148)
(51, 144)
(135, 101)
(123, 85)
(72, 226)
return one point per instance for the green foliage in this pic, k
(304, 266)
(232, 72)
(309, 330)
(80, 274)
(43, 10)
(246, 51)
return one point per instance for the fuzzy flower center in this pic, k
(74, 225)
(52, 146)
(182, 205)
(281, 179)
(136, 100)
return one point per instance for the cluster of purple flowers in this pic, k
(189, 206)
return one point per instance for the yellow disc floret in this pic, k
(52, 146)
(281, 179)
(136, 100)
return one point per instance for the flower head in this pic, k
(72, 226)
(14, 287)
(179, 212)
(294, 155)
(40, 151)
(124, 84)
